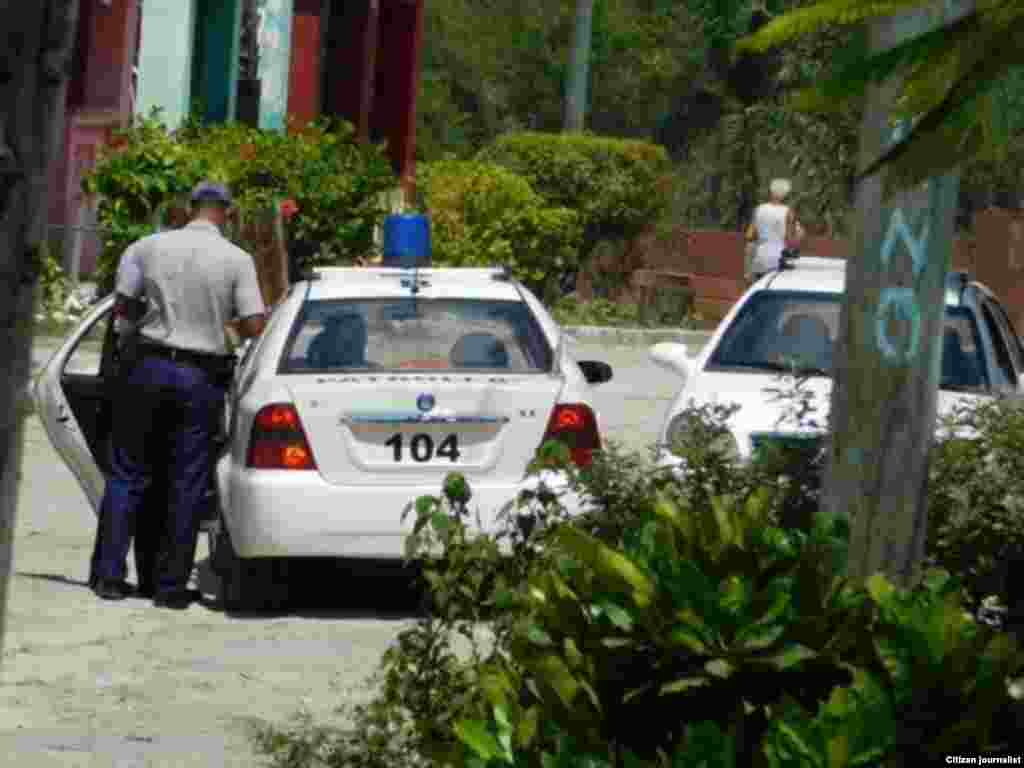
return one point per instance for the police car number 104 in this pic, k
(422, 448)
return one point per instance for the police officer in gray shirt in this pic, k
(176, 290)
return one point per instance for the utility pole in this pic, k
(888, 366)
(579, 68)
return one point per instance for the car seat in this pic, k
(479, 350)
(341, 344)
(807, 339)
(957, 366)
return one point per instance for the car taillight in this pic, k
(575, 425)
(278, 440)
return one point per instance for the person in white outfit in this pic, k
(773, 228)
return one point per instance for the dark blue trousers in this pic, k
(164, 422)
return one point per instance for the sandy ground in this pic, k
(91, 684)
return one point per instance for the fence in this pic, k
(81, 242)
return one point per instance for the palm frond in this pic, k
(927, 51)
(804, 21)
(952, 117)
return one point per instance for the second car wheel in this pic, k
(248, 584)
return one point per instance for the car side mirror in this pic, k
(672, 357)
(595, 372)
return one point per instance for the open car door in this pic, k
(71, 398)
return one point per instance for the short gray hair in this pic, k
(780, 188)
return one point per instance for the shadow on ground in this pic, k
(316, 589)
(331, 589)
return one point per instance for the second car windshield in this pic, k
(781, 331)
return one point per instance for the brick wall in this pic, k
(714, 260)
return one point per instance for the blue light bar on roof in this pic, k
(406, 241)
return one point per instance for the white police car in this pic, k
(368, 386)
(792, 316)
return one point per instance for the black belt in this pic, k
(205, 360)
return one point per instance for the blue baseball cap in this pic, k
(210, 192)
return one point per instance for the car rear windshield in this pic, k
(417, 335)
(780, 330)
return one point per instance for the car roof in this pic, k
(828, 275)
(391, 282)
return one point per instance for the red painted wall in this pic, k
(714, 259)
(304, 75)
(345, 56)
(108, 67)
(393, 114)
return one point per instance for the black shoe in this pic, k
(108, 589)
(176, 601)
(145, 591)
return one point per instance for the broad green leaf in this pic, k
(496, 688)
(688, 638)
(474, 734)
(538, 636)
(758, 636)
(618, 616)
(723, 515)
(526, 728)
(608, 565)
(719, 668)
(630, 695)
(617, 642)
(441, 522)
(839, 750)
(735, 595)
(572, 653)
(790, 657)
(880, 589)
(683, 684)
(552, 670)
(797, 740)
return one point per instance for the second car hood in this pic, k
(759, 411)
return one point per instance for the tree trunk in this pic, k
(579, 68)
(887, 369)
(36, 43)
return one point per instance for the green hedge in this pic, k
(618, 186)
(483, 214)
(334, 181)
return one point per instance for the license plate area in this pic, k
(424, 447)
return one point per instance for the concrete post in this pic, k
(275, 63)
(165, 58)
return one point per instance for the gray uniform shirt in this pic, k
(193, 280)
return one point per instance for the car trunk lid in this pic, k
(413, 429)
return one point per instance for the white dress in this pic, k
(770, 223)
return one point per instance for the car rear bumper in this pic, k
(298, 514)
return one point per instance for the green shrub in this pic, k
(976, 496)
(483, 215)
(569, 310)
(618, 186)
(335, 182)
(710, 632)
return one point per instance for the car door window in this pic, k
(86, 357)
(1006, 375)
